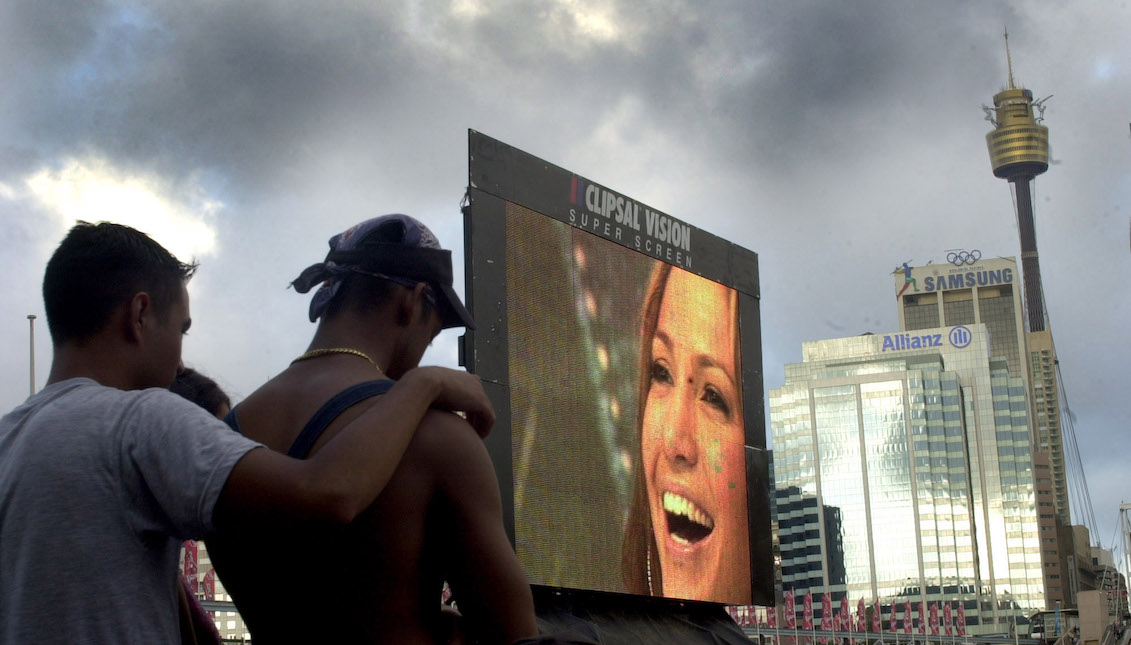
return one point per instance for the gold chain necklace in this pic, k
(315, 353)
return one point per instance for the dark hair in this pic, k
(359, 293)
(201, 390)
(99, 266)
(639, 552)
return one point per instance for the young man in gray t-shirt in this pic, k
(104, 472)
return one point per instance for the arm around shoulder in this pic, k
(351, 470)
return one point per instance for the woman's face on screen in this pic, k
(692, 444)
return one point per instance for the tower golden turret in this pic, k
(1019, 151)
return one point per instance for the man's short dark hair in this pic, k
(360, 294)
(99, 266)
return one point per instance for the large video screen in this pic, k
(631, 443)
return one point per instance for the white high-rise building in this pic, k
(903, 473)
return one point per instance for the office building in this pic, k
(904, 473)
(1045, 397)
(969, 289)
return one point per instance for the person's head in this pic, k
(202, 391)
(687, 535)
(389, 265)
(98, 270)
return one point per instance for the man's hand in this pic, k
(459, 391)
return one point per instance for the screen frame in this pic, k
(498, 174)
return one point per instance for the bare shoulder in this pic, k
(457, 458)
(446, 439)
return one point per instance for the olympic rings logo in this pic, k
(958, 258)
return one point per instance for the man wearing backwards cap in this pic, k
(386, 292)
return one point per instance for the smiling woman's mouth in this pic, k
(687, 523)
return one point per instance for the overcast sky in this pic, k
(837, 140)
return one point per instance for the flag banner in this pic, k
(934, 619)
(772, 621)
(790, 611)
(807, 611)
(877, 624)
(860, 625)
(907, 617)
(948, 623)
(961, 618)
(922, 617)
(891, 621)
(190, 565)
(210, 585)
(826, 614)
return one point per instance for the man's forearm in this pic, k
(349, 472)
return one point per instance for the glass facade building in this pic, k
(903, 473)
(972, 290)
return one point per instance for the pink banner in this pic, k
(210, 585)
(790, 611)
(807, 611)
(190, 565)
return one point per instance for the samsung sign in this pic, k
(968, 279)
(959, 338)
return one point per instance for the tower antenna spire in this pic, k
(1008, 59)
(1019, 151)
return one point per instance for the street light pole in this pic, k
(31, 353)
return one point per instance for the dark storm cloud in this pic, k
(774, 85)
(244, 92)
(242, 89)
